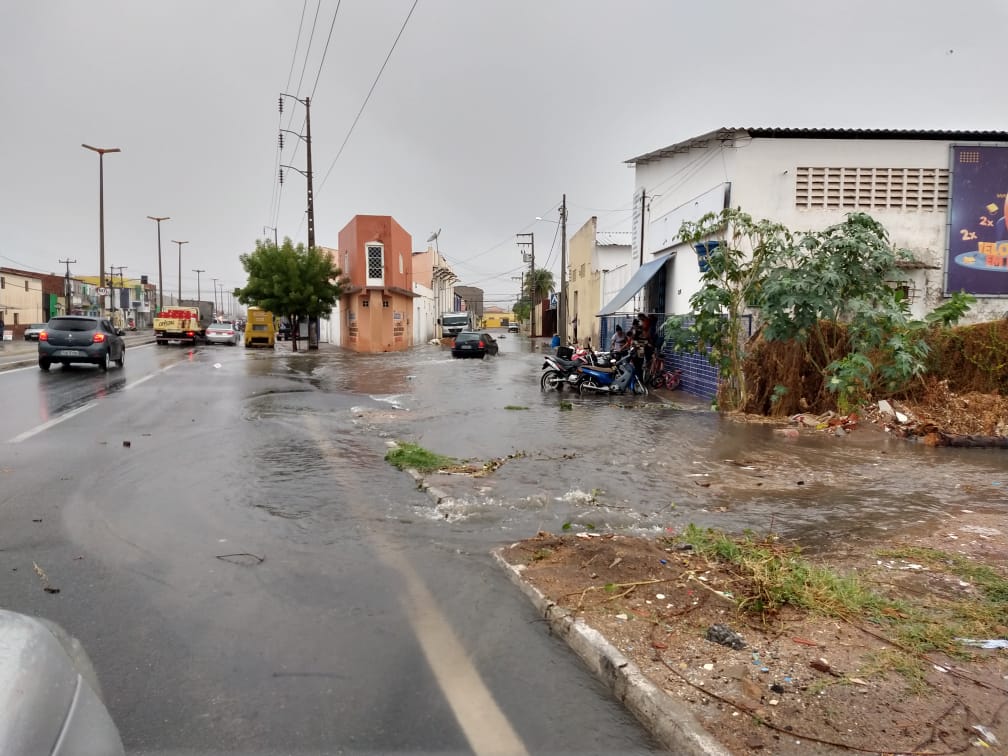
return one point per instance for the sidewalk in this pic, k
(15, 354)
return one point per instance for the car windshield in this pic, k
(72, 324)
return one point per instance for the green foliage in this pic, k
(291, 281)
(538, 283)
(408, 455)
(733, 280)
(522, 308)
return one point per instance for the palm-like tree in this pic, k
(538, 283)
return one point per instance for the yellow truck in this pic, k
(260, 328)
(180, 323)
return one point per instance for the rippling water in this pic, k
(644, 464)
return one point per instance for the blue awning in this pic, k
(637, 282)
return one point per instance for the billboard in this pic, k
(978, 221)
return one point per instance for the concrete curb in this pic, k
(671, 724)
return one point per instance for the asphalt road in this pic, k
(249, 575)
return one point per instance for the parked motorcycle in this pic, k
(618, 379)
(559, 371)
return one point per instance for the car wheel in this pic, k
(103, 362)
(44, 364)
(122, 358)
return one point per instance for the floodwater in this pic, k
(643, 465)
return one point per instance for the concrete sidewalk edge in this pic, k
(671, 724)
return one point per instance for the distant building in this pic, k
(375, 254)
(599, 265)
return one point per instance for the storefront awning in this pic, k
(637, 282)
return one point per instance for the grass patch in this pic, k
(409, 455)
(515, 407)
(766, 576)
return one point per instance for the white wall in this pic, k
(424, 314)
(761, 173)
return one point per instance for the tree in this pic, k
(521, 309)
(291, 281)
(537, 283)
(735, 270)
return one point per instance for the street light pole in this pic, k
(197, 271)
(180, 243)
(101, 215)
(214, 292)
(160, 274)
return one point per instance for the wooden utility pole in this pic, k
(562, 301)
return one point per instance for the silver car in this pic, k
(222, 333)
(33, 330)
(80, 338)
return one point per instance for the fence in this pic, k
(699, 377)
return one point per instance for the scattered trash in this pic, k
(243, 558)
(725, 636)
(127, 444)
(777, 688)
(622, 616)
(938, 668)
(45, 579)
(986, 734)
(660, 596)
(709, 667)
(992, 643)
(773, 702)
(615, 561)
(217, 365)
(37, 520)
(805, 642)
(858, 681)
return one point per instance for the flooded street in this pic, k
(641, 464)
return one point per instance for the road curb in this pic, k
(671, 724)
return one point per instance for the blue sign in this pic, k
(978, 215)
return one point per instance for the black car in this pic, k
(473, 344)
(78, 338)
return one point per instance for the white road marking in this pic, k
(483, 723)
(83, 408)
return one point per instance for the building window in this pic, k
(365, 303)
(16, 321)
(3, 282)
(925, 189)
(26, 285)
(375, 264)
(384, 303)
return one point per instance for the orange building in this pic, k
(376, 255)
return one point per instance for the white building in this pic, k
(940, 194)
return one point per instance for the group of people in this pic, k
(638, 340)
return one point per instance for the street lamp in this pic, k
(180, 243)
(101, 215)
(160, 276)
(197, 271)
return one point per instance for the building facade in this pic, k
(598, 267)
(939, 194)
(375, 254)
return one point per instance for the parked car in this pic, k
(222, 333)
(32, 331)
(473, 344)
(512, 328)
(79, 338)
(49, 692)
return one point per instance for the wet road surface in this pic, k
(376, 620)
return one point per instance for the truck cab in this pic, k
(452, 323)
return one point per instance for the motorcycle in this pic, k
(619, 379)
(558, 371)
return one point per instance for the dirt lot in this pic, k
(804, 682)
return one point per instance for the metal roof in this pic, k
(727, 133)
(612, 238)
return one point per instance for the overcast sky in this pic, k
(484, 115)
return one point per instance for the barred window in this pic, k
(847, 188)
(375, 263)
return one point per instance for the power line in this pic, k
(370, 92)
(326, 50)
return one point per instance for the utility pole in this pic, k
(532, 279)
(180, 243)
(562, 303)
(160, 273)
(312, 319)
(66, 284)
(643, 198)
(214, 290)
(276, 243)
(199, 292)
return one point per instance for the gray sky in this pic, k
(485, 114)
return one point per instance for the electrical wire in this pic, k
(368, 97)
(326, 50)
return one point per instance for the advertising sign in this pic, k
(978, 211)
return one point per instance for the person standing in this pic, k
(1, 329)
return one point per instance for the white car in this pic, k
(222, 333)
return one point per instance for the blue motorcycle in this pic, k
(618, 379)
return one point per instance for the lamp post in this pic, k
(180, 243)
(101, 215)
(197, 271)
(160, 275)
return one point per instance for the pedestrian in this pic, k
(1, 329)
(618, 343)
